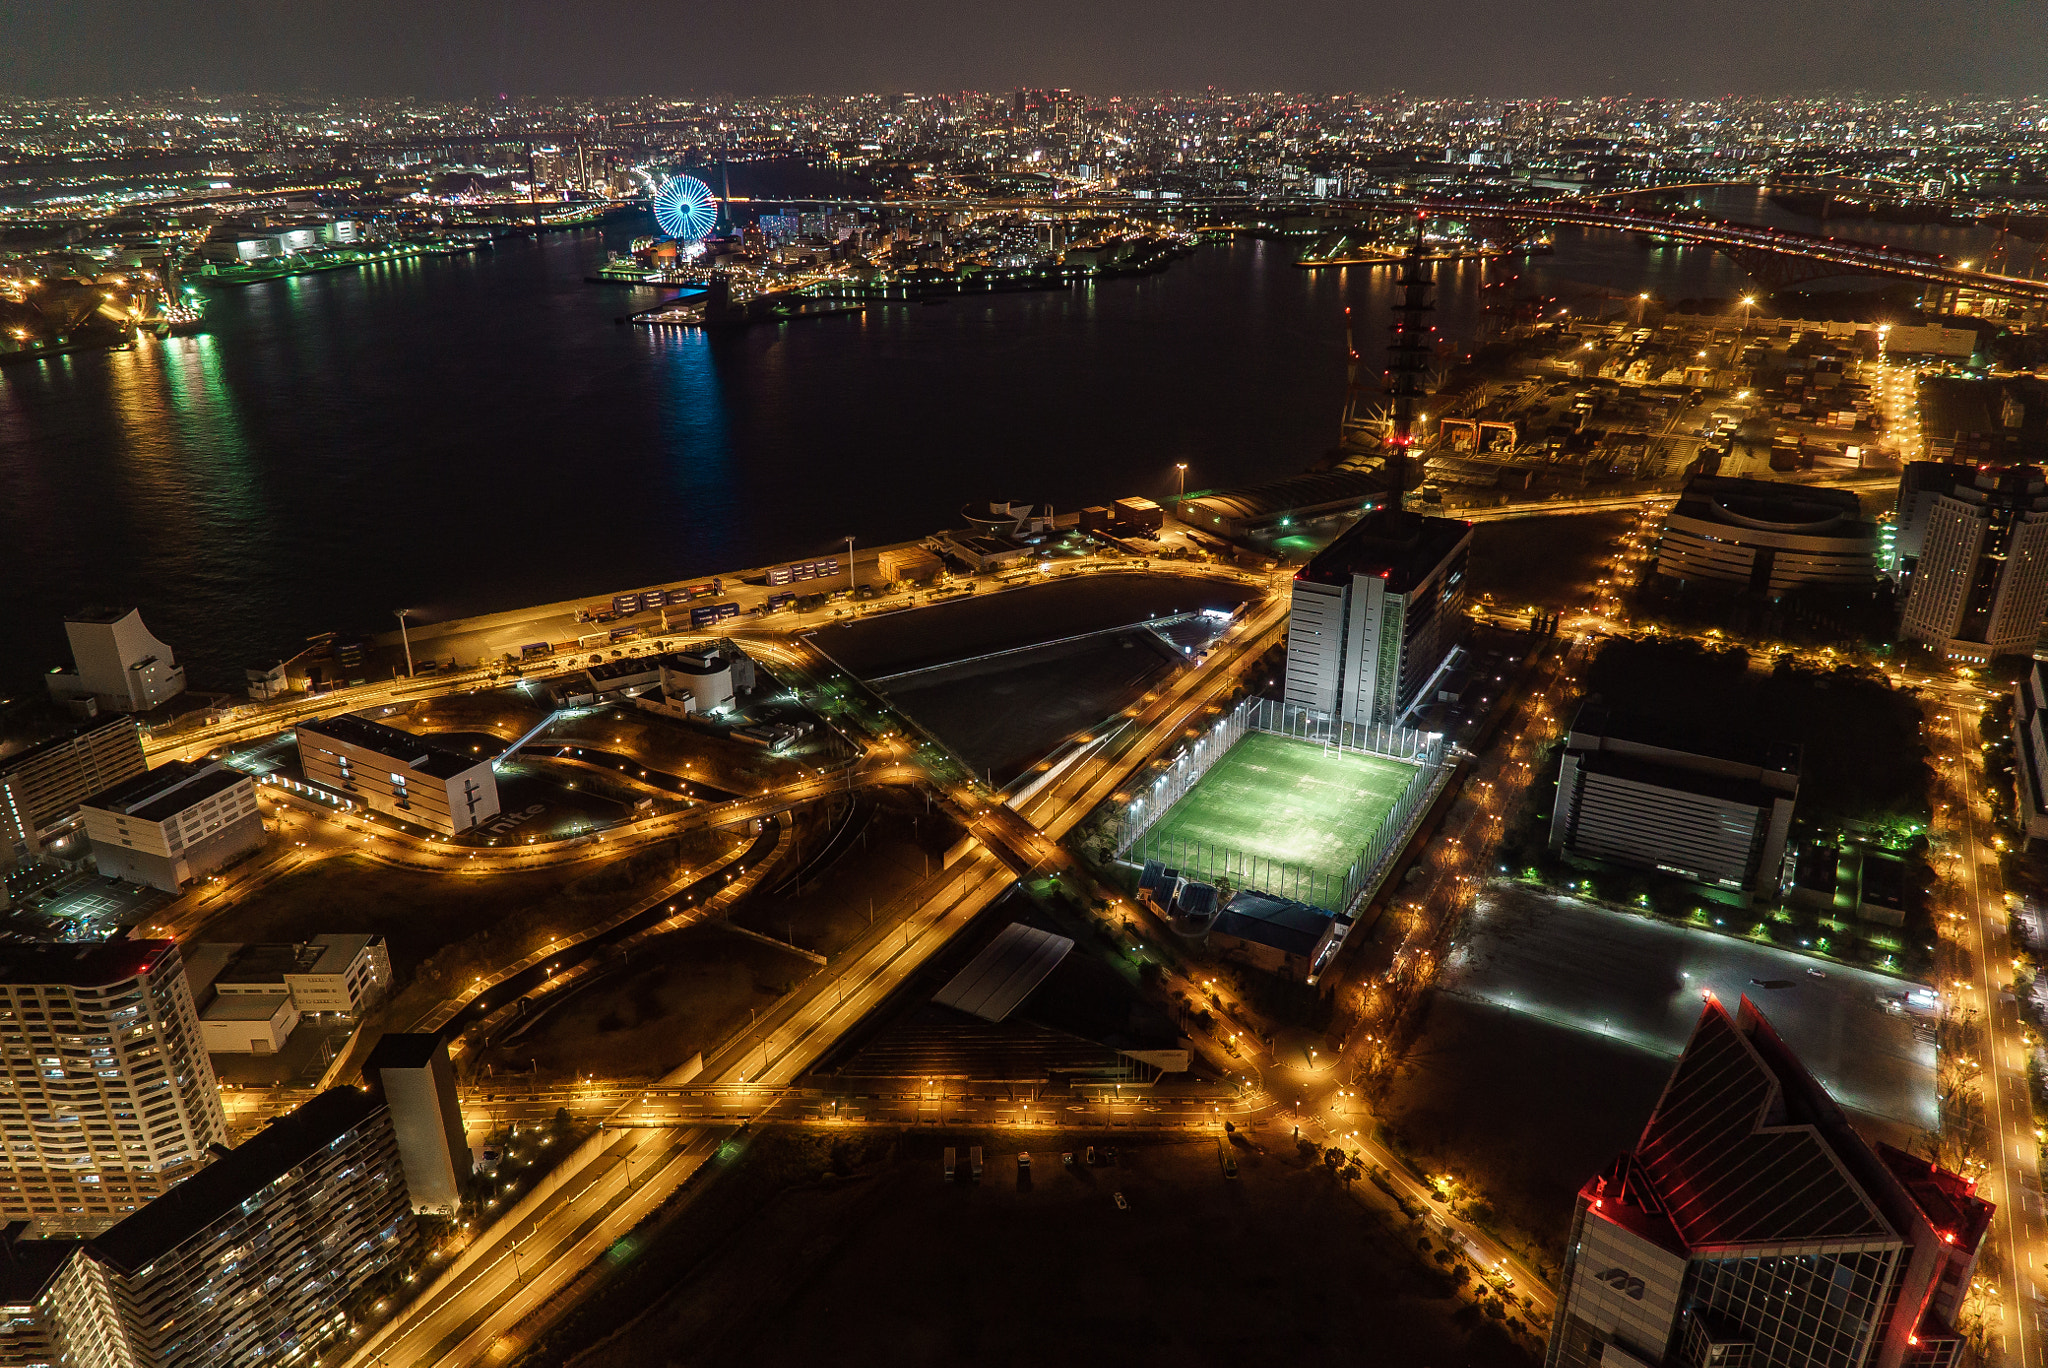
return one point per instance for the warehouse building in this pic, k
(174, 824)
(1629, 793)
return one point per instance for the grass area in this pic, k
(1289, 801)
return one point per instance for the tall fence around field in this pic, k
(1139, 841)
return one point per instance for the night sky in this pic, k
(459, 48)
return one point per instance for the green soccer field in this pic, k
(1289, 801)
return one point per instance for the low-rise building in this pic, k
(395, 772)
(341, 975)
(117, 664)
(1634, 793)
(173, 824)
(1274, 934)
(1767, 537)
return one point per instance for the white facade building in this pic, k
(1767, 537)
(1641, 802)
(1981, 585)
(112, 1099)
(1375, 616)
(116, 663)
(395, 772)
(176, 823)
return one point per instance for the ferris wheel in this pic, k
(684, 208)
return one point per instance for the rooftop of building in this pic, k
(1693, 736)
(28, 1265)
(168, 790)
(80, 966)
(68, 737)
(1275, 498)
(1635, 769)
(1290, 927)
(1771, 506)
(401, 1050)
(216, 1191)
(1402, 548)
(244, 1006)
(98, 616)
(418, 753)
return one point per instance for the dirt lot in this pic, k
(438, 925)
(671, 997)
(867, 1256)
(897, 846)
(1546, 562)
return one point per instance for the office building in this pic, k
(117, 666)
(1980, 582)
(42, 786)
(251, 1261)
(395, 772)
(1376, 615)
(113, 1100)
(1767, 538)
(1637, 794)
(412, 1073)
(173, 824)
(2030, 752)
(1751, 1225)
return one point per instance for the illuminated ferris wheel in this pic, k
(684, 208)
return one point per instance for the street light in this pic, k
(1181, 468)
(402, 636)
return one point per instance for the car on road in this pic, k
(1816, 973)
(1090, 1153)
(1024, 1161)
(1067, 1158)
(1121, 1204)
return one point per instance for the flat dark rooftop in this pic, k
(401, 1050)
(225, 1184)
(1750, 791)
(80, 966)
(99, 616)
(64, 738)
(1695, 736)
(418, 752)
(167, 790)
(1403, 548)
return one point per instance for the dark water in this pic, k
(466, 434)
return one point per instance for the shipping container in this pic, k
(623, 604)
(703, 615)
(803, 571)
(535, 648)
(779, 575)
(777, 602)
(621, 633)
(727, 610)
(697, 591)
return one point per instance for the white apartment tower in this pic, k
(110, 1099)
(116, 663)
(1981, 585)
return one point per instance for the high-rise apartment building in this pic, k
(117, 663)
(42, 786)
(251, 1261)
(411, 1071)
(1752, 1227)
(112, 1100)
(1980, 583)
(1375, 616)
